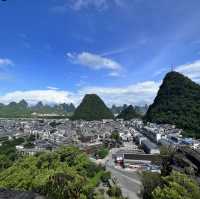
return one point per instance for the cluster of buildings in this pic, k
(51, 133)
(150, 135)
(91, 135)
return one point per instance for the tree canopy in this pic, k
(64, 173)
(177, 186)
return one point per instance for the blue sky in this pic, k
(58, 50)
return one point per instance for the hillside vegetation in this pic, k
(64, 173)
(92, 108)
(22, 109)
(177, 102)
(129, 113)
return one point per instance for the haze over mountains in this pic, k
(129, 113)
(22, 109)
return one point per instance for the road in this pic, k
(129, 182)
(129, 185)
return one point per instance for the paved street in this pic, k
(128, 181)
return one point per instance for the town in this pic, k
(138, 148)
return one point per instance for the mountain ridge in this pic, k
(177, 102)
(21, 109)
(128, 113)
(92, 107)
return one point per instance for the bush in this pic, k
(114, 191)
(102, 152)
(105, 177)
(177, 186)
(150, 181)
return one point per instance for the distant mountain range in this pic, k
(177, 102)
(139, 109)
(22, 109)
(129, 113)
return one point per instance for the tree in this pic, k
(102, 152)
(177, 186)
(114, 191)
(4, 162)
(115, 136)
(64, 173)
(105, 177)
(167, 159)
(150, 181)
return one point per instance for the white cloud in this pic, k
(117, 51)
(5, 62)
(33, 96)
(84, 4)
(52, 88)
(114, 74)
(140, 94)
(192, 70)
(94, 61)
(80, 4)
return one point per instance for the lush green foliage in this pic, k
(8, 153)
(102, 152)
(114, 191)
(92, 108)
(15, 110)
(150, 181)
(177, 186)
(105, 177)
(22, 109)
(128, 113)
(177, 102)
(115, 136)
(65, 173)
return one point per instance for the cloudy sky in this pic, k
(58, 50)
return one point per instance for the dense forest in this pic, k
(64, 173)
(92, 108)
(177, 102)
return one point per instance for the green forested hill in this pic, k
(177, 102)
(92, 108)
(128, 113)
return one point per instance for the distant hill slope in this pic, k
(128, 113)
(22, 109)
(92, 108)
(177, 102)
